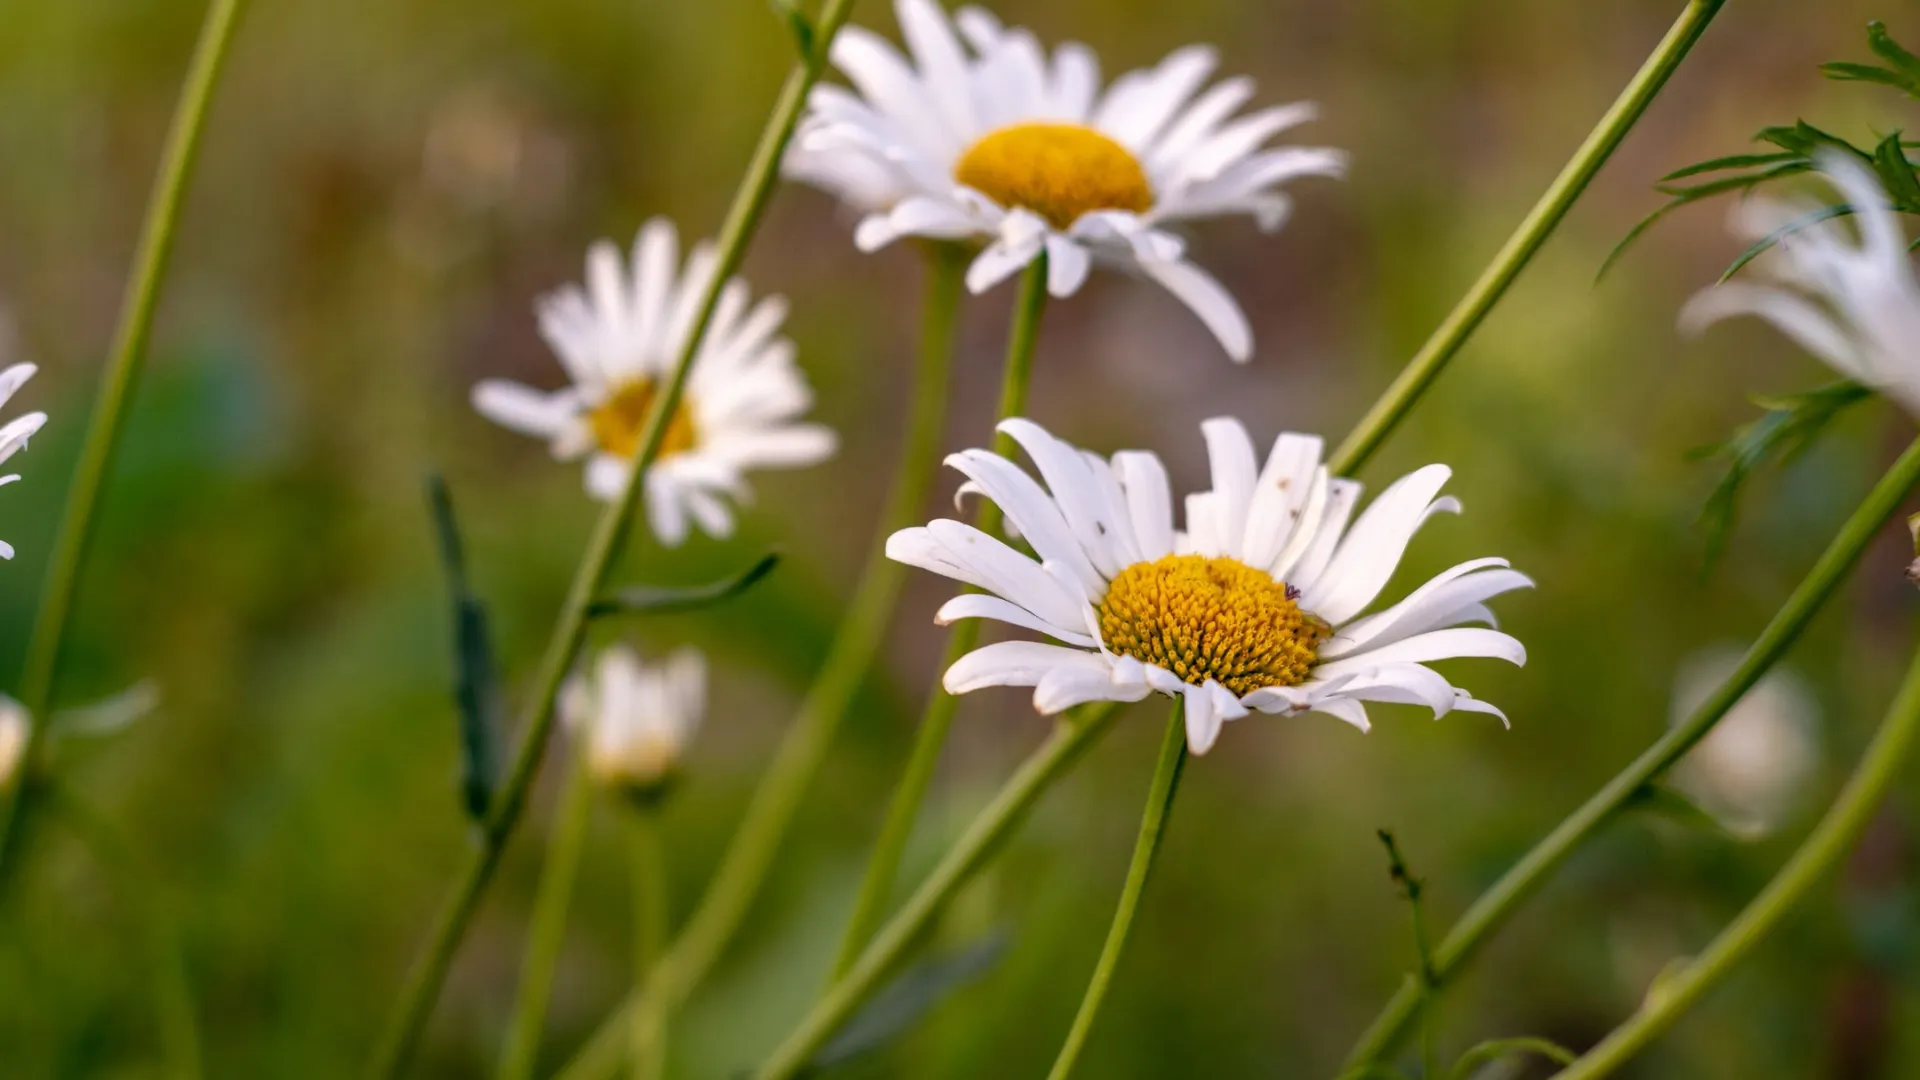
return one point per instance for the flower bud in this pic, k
(634, 720)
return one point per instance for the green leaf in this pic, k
(1761, 246)
(1790, 424)
(797, 22)
(662, 599)
(1903, 72)
(1663, 801)
(476, 686)
(905, 1000)
(1896, 173)
(1486, 1053)
(1731, 161)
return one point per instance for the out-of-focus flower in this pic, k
(1257, 605)
(14, 436)
(993, 140)
(15, 726)
(1751, 770)
(1853, 304)
(636, 719)
(618, 339)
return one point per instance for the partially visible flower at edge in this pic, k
(15, 726)
(1853, 304)
(14, 436)
(635, 719)
(1752, 769)
(1256, 606)
(618, 339)
(1028, 154)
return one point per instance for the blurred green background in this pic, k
(385, 188)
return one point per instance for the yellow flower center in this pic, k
(1216, 619)
(1058, 171)
(617, 421)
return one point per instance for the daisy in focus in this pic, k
(1257, 605)
(618, 339)
(635, 719)
(1853, 304)
(14, 436)
(995, 140)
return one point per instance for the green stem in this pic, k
(649, 939)
(117, 383)
(1070, 739)
(1153, 823)
(548, 930)
(1823, 850)
(743, 219)
(1499, 902)
(744, 867)
(1526, 240)
(883, 866)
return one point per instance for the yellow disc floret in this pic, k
(617, 421)
(1216, 619)
(1059, 171)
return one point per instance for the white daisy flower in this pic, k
(636, 719)
(15, 726)
(618, 339)
(14, 436)
(995, 140)
(1257, 605)
(1855, 305)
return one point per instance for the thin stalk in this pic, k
(547, 931)
(1153, 823)
(1493, 908)
(750, 855)
(1526, 240)
(1071, 738)
(609, 535)
(1062, 750)
(649, 938)
(122, 373)
(1822, 852)
(936, 719)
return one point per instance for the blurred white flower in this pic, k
(14, 436)
(1751, 770)
(15, 725)
(993, 140)
(1853, 304)
(635, 719)
(619, 338)
(1257, 605)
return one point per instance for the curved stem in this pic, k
(548, 929)
(1823, 850)
(649, 938)
(748, 858)
(1493, 908)
(936, 719)
(743, 219)
(1153, 823)
(117, 384)
(1526, 240)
